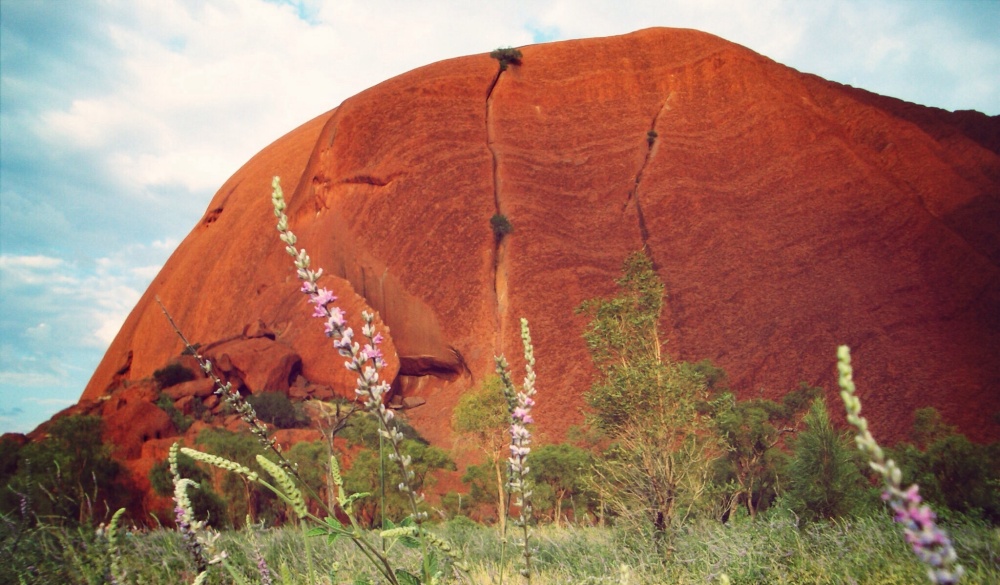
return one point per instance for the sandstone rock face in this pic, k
(785, 214)
(258, 363)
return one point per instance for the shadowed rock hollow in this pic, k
(786, 215)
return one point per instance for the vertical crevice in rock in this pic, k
(652, 138)
(499, 247)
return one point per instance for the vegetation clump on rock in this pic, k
(501, 226)
(506, 56)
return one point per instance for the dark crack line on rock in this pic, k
(498, 247)
(633, 196)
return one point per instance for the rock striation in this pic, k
(786, 215)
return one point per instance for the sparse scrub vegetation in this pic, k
(69, 476)
(172, 375)
(181, 421)
(506, 56)
(824, 472)
(276, 409)
(672, 480)
(501, 226)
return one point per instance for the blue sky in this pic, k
(120, 118)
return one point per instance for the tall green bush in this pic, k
(206, 503)
(823, 472)
(367, 472)
(753, 431)
(480, 417)
(953, 472)
(277, 409)
(243, 499)
(67, 475)
(566, 470)
(658, 469)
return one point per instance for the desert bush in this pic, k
(244, 499)
(181, 421)
(501, 226)
(480, 417)
(929, 426)
(205, 501)
(824, 474)
(506, 56)
(658, 468)
(367, 471)
(68, 475)
(753, 432)
(566, 471)
(172, 375)
(954, 473)
(276, 408)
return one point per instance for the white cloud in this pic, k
(165, 244)
(146, 272)
(32, 379)
(50, 401)
(18, 271)
(29, 262)
(39, 333)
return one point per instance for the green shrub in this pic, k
(242, 499)
(566, 470)
(501, 225)
(506, 56)
(657, 470)
(181, 421)
(929, 426)
(953, 472)
(206, 502)
(275, 408)
(481, 419)
(172, 375)
(68, 475)
(824, 476)
(365, 476)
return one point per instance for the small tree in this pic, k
(661, 461)
(752, 431)
(506, 56)
(952, 471)
(277, 409)
(481, 418)
(366, 468)
(565, 469)
(206, 503)
(929, 426)
(67, 475)
(824, 476)
(243, 498)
